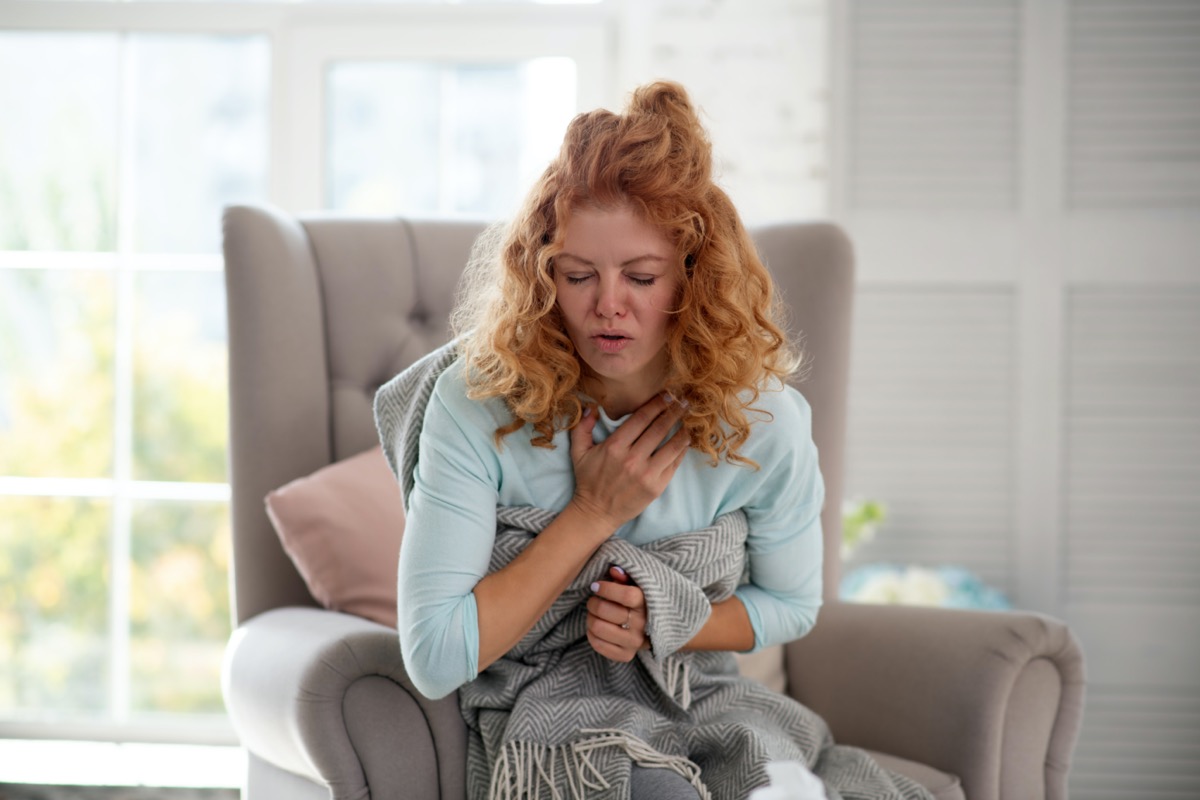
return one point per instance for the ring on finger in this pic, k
(628, 617)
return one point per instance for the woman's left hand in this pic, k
(616, 620)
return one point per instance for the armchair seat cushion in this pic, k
(943, 785)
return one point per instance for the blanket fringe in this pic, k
(678, 679)
(524, 769)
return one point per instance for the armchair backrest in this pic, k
(324, 309)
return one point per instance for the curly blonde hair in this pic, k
(727, 337)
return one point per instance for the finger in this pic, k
(605, 631)
(658, 433)
(581, 434)
(628, 596)
(671, 454)
(609, 650)
(668, 471)
(608, 611)
(641, 419)
(619, 575)
(679, 460)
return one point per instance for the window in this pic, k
(114, 522)
(422, 138)
(112, 343)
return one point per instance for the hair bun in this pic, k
(667, 98)
(662, 123)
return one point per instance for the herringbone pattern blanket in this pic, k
(555, 719)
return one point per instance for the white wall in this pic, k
(758, 71)
(1022, 182)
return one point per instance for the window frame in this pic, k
(304, 40)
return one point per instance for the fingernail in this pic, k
(679, 401)
(587, 411)
(595, 587)
(618, 570)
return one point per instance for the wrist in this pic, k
(727, 628)
(585, 516)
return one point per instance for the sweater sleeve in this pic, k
(447, 544)
(785, 544)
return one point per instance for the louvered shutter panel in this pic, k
(1134, 113)
(1138, 744)
(933, 115)
(1132, 439)
(931, 426)
(1022, 181)
(1131, 436)
(1132, 516)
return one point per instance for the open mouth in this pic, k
(611, 342)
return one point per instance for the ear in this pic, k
(689, 267)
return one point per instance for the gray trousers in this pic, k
(659, 784)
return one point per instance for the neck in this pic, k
(621, 398)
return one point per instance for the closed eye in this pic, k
(583, 277)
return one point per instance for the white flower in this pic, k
(924, 587)
(915, 586)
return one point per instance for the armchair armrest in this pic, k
(994, 698)
(324, 695)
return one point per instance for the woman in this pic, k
(620, 366)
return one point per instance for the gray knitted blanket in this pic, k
(555, 719)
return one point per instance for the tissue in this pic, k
(790, 780)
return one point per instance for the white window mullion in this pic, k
(299, 128)
(122, 505)
(279, 174)
(122, 514)
(106, 489)
(447, 98)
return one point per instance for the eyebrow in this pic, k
(626, 263)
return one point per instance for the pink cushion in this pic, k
(342, 527)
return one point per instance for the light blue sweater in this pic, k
(462, 476)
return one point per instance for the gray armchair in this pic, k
(324, 309)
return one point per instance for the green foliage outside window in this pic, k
(54, 578)
(189, 135)
(56, 383)
(180, 605)
(56, 420)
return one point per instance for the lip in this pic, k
(611, 346)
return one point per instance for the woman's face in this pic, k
(618, 280)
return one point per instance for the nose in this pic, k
(610, 298)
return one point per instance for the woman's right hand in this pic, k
(616, 479)
(614, 482)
